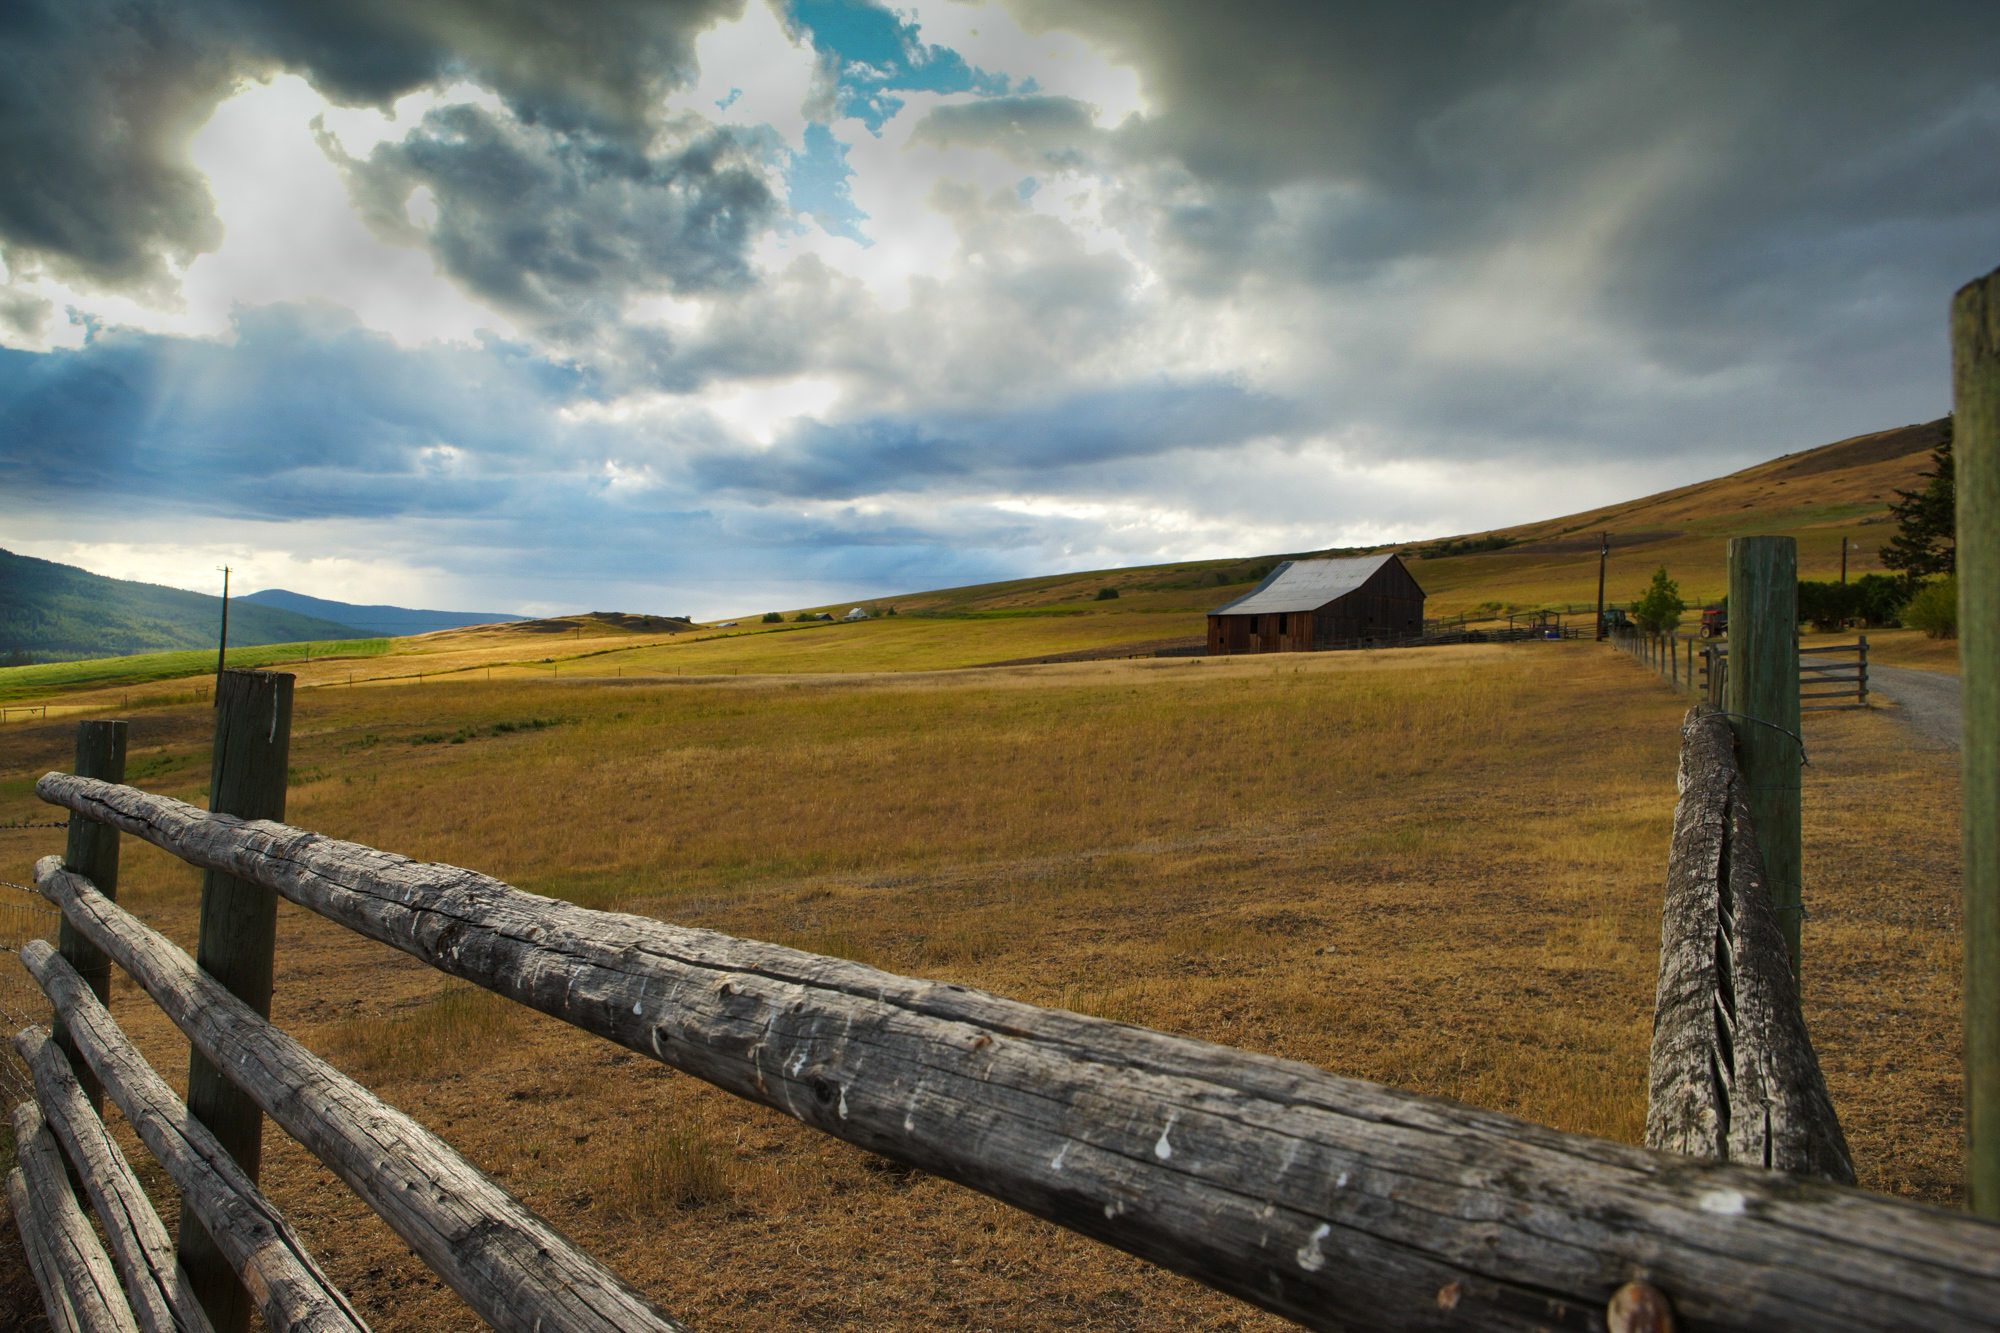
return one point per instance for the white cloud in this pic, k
(291, 235)
(760, 410)
(752, 73)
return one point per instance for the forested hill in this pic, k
(392, 621)
(59, 613)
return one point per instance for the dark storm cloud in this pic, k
(1031, 130)
(1779, 131)
(98, 98)
(302, 415)
(97, 102)
(1025, 448)
(558, 228)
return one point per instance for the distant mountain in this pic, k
(59, 613)
(388, 621)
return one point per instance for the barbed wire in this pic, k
(52, 823)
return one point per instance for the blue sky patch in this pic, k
(819, 178)
(881, 55)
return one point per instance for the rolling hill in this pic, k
(1840, 491)
(60, 613)
(393, 621)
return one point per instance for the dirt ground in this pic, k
(1483, 927)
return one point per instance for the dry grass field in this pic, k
(1435, 868)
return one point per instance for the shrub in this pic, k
(1107, 594)
(1934, 609)
(803, 616)
(1828, 606)
(773, 618)
(1880, 598)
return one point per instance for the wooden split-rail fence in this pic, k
(1333, 1202)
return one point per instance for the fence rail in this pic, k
(1699, 666)
(1733, 1073)
(1331, 1201)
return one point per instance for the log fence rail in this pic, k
(1333, 1202)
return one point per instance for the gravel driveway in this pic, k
(1928, 699)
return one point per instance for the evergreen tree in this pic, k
(1926, 540)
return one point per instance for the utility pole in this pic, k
(222, 644)
(1602, 555)
(1843, 559)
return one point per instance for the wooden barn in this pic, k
(1304, 605)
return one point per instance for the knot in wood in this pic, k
(1639, 1307)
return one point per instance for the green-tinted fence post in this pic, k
(1975, 355)
(93, 853)
(239, 921)
(1763, 692)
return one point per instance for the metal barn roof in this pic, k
(1305, 585)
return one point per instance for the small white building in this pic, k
(856, 614)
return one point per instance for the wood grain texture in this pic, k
(1733, 1074)
(236, 945)
(1763, 696)
(288, 1286)
(158, 1292)
(1975, 357)
(92, 850)
(514, 1269)
(56, 1307)
(1335, 1202)
(76, 1260)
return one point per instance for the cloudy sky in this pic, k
(714, 306)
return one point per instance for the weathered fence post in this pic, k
(1763, 697)
(239, 922)
(1975, 356)
(93, 853)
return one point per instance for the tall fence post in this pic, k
(239, 924)
(1975, 355)
(93, 853)
(1763, 696)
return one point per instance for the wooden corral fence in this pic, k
(1334, 1202)
(1830, 676)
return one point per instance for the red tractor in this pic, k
(1714, 623)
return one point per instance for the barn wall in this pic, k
(1390, 605)
(1289, 632)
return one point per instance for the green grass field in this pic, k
(47, 678)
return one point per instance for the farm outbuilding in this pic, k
(1305, 605)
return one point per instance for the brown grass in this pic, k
(1435, 869)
